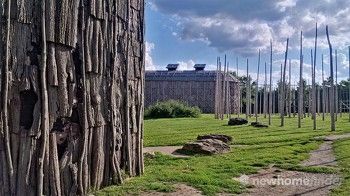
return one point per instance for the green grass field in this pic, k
(285, 147)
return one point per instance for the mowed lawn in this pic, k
(284, 147)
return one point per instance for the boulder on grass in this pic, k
(237, 121)
(225, 138)
(206, 146)
(258, 124)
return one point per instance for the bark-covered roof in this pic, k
(185, 76)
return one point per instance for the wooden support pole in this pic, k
(44, 104)
(289, 89)
(257, 90)
(324, 102)
(314, 102)
(336, 86)
(349, 85)
(239, 90)
(270, 88)
(283, 84)
(248, 96)
(301, 88)
(331, 107)
(265, 105)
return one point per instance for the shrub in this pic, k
(172, 109)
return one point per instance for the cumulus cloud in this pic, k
(244, 26)
(186, 65)
(148, 58)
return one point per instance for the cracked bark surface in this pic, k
(72, 78)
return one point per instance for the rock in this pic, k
(149, 155)
(237, 121)
(224, 138)
(258, 124)
(206, 146)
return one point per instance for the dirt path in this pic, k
(172, 150)
(274, 181)
(277, 182)
(181, 190)
(167, 150)
(322, 157)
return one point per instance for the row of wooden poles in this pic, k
(330, 99)
(222, 90)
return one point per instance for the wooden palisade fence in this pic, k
(72, 77)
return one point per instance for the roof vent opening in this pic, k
(199, 67)
(172, 67)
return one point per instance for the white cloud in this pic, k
(244, 26)
(148, 58)
(186, 65)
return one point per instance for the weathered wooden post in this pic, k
(239, 91)
(336, 86)
(314, 102)
(324, 103)
(331, 94)
(349, 85)
(248, 93)
(283, 84)
(270, 88)
(301, 85)
(265, 104)
(72, 95)
(257, 90)
(289, 89)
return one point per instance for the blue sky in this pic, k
(197, 31)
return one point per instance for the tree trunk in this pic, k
(72, 78)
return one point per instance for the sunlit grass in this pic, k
(283, 146)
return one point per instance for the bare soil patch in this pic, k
(181, 190)
(323, 156)
(277, 182)
(167, 150)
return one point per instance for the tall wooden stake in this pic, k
(314, 84)
(283, 84)
(349, 85)
(248, 93)
(265, 93)
(257, 90)
(331, 107)
(289, 89)
(324, 103)
(270, 88)
(301, 88)
(336, 86)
